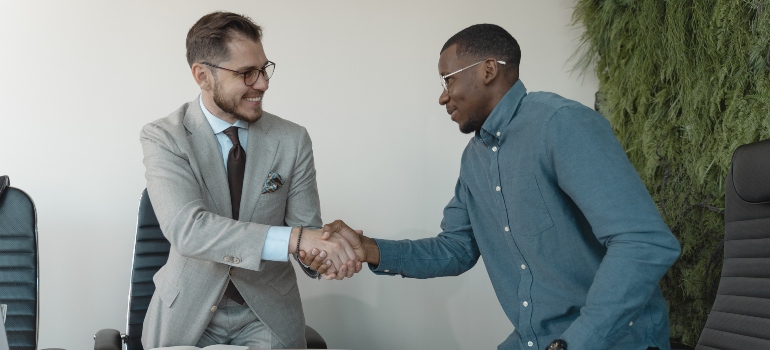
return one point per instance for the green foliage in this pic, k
(683, 84)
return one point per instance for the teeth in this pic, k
(254, 99)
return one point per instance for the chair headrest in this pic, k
(751, 172)
(5, 182)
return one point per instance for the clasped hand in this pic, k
(337, 253)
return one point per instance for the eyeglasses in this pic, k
(445, 83)
(252, 75)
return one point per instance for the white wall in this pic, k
(81, 77)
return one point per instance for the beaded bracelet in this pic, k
(299, 238)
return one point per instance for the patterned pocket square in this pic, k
(273, 183)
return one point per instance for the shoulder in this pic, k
(170, 126)
(553, 102)
(555, 109)
(281, 128)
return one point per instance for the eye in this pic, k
(251, 74)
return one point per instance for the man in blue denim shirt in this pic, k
(573, 243)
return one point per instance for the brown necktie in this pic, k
(236, 166)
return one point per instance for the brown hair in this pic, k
(208, 38)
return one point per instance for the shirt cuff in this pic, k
(277, 244)
(389, 263)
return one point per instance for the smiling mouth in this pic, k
(253, 99)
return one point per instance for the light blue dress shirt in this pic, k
(277, 242)
(571, 239)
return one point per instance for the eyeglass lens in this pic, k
(251, 76)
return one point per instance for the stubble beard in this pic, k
(230, 106)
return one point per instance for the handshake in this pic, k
(336, 251)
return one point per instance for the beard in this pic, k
(230, 106)
(474, 122)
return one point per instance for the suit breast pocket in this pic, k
(526, 208)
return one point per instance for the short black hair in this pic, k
(208, 38)
(486, 40)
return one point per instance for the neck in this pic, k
(211, 106)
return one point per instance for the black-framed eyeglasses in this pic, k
(252, 75)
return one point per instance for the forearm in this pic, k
(199, 234)
(622, 287)
(425, 258)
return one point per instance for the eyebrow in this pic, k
(248, 68)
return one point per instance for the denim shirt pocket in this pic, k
(526, 207)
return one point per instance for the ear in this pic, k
(202, 76)
(491, 70)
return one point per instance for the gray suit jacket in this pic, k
(187, 183)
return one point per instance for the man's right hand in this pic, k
(365, 248)
(339, 251)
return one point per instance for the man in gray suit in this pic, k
(232, 187)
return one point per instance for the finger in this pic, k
(318, 260)
(305, 257)
(350, 272)
(326, 235)
(329, 276)
(360, 232)
(359, 266)
(341, 273)
(349, 251)
(341, 251)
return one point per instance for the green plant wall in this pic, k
(683, 83)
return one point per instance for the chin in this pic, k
(250, 118)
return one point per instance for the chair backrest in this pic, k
(18, 266)
(740, 317)
(150, 254)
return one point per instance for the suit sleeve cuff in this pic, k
(276, 246)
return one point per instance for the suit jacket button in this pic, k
(228, 259)
(232, 271)
(236, 261)
(213, 308)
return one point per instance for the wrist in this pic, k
(557, 344)
(372, 250)
(294, 240)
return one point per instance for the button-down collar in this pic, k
(502, 114)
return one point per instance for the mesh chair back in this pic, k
(740, 317)
(150, 254)
(18, 266)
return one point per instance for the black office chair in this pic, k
(740, 317)
(18, 266)
(150, 254)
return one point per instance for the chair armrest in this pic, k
(108, 339)
(314, 340)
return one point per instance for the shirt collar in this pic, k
(219, 125)
(503, 113)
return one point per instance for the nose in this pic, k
(444, 97)
(261, 84)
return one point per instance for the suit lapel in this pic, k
(209, 158)
(260, 156)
